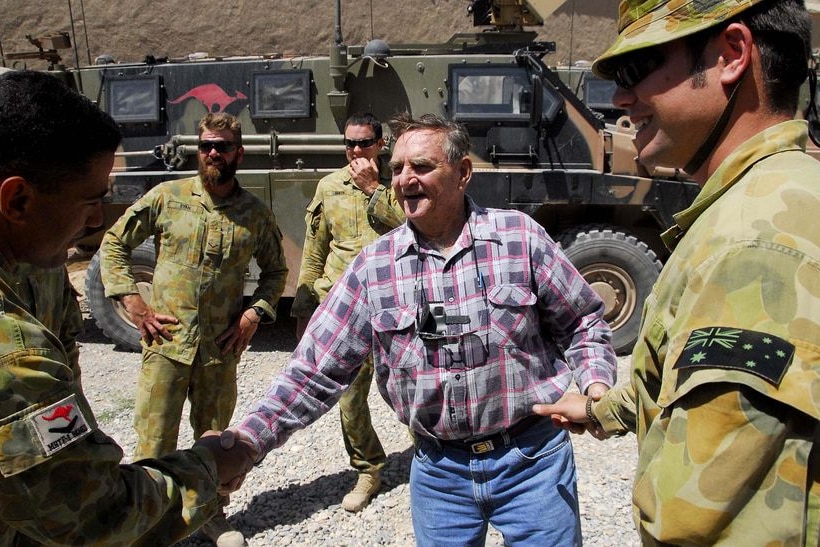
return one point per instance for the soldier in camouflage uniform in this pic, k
(49, 296)
(206, 230)
(61, 481)
(723, 394)
(351, 208)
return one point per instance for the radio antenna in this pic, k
(74, 47)
(85, 31)
(371, 20)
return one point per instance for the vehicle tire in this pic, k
(622, 270)
(110, 314)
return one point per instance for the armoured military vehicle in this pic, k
(546, 141)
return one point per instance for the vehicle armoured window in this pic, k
(598, 93)
(502, 93)
(489, 92)
(133, 99)
(280, 94)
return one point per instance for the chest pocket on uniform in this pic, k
(182, 227)
(649, 356)
(342, 215)
(221, 243)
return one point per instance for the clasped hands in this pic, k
(235, 455)
(569, 412)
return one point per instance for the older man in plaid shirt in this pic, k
(472, 315)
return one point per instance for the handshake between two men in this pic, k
(235, 455)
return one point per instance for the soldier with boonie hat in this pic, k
(649, 23)
(722, 395)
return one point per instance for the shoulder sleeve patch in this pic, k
(32, 439)
(59, 425)
(758, 353)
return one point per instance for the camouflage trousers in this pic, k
(362, 443)
(163, 387)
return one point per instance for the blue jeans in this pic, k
(525, 489)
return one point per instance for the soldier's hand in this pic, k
(150, 324)
(570, 413)
(233, 459)
(596, 390)
(229, 438)
(365, 174)
(238, 336)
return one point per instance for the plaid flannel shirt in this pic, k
(522, 322)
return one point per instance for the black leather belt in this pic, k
(483, 445)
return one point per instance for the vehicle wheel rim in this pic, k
(616, 288)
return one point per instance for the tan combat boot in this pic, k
(367, 486)
(222, 533)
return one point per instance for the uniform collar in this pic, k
(786, 136)
(209, 201)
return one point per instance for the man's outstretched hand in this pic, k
(570, 412)
(234, 456)
(232, 438)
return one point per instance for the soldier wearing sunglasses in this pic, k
(206, 230)
(723, 397)
(351, 208)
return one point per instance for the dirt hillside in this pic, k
(131, 30)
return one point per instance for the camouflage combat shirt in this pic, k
(725, 385)
(204, 247)
(61, 481)
(48, 295)
(341, 220)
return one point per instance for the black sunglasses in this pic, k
(363, 143)
(634, 67)
(220, 146)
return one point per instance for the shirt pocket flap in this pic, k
(398, 347)
(394, 319)
(511, 295)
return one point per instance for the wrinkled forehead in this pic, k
(421, 142)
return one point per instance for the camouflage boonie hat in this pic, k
(647, 23)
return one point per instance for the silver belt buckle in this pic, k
(481, 447)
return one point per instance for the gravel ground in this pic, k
(294, 497)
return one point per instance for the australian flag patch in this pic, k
(758, 353)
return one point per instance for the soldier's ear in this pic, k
(736, 51)
(16, 198)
